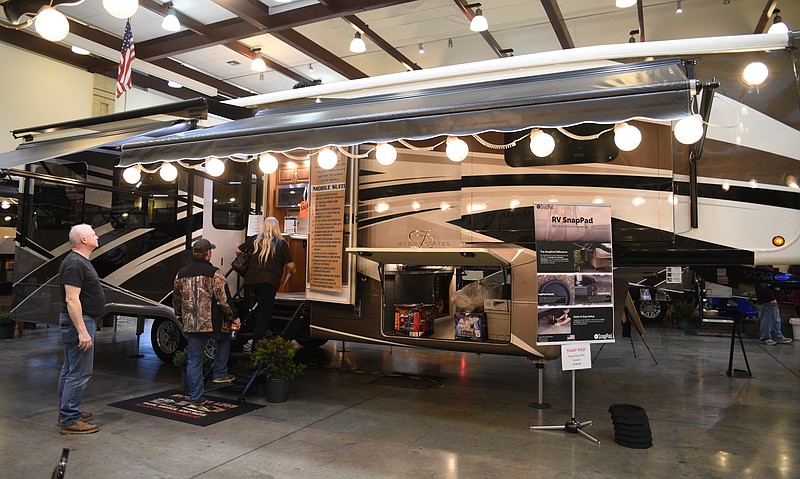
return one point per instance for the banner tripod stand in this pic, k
(573, 425)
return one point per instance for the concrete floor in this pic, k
(344, 419)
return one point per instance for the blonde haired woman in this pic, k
(264, 272)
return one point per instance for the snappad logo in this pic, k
(603, 336)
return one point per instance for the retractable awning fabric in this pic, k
(657, 90)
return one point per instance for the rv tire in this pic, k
(166, 339)
(652, 311)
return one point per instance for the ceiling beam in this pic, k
(763, 20)
(467, 10)
(186, 22)
(254, 13)
(640, 13)
(313, 50)
(383, 44)
(557, 22)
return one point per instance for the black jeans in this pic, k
(265, 295)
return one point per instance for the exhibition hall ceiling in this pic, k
(307, 41)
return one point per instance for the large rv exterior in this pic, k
(417, 230)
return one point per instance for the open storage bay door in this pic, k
(423, 280)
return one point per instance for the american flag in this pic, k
(127, 54)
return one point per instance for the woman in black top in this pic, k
(264, 272)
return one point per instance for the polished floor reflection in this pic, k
(379, 412)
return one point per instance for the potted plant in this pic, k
(7, 326)
(181, 360)
(274, 359)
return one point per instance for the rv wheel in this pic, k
(651, 311)
(311, 343)
(166, 338)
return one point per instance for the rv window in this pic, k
(229, 210)
(130, 212)
(57, 206)
(568, 150)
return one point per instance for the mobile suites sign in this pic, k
(326, 227)
(574, 275)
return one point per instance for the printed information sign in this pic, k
(575, 280)
(326, 227)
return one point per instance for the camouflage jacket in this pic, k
(200, 299)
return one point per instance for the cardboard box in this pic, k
(498, 318)
(414, 319)
(470, 326)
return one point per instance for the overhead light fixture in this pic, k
(679, 9)
(755, 73)
(51, 24)
(385, 153)
(174, 84)
(358, 45)
(79, 51)
(479, 22)
(267, 163)
(214, 166)
(311, 67)
(457, 149)
(777, 24)
(170, 22)
(449, 43)
(421, 48)
(168, 172)
(121, 8)
(689, 130)
(258, 65)
(132, 175)
(625, 3)
(542, 144)
(627, 137)
(632, 39)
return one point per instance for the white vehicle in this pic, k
(416, 230)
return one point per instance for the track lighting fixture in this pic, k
(358, 45)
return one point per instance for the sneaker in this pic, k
(784, 340)
(248, 346)
(224, 379)
(78, 427)
(84, 415)
(768, 342)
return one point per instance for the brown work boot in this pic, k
(85, 415)
(79, 427)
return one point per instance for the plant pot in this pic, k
(277, 390)
(7, 331)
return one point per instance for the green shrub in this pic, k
(181, 357)
(682, 309)
(275, 359)
(5, 319)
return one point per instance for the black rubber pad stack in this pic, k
(631, 427)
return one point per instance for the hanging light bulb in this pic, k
(777, 24)
(421, 48)
(79, 51)
(132, 175)
(121, 8)
(457, 149)
(679, 9)
(168, 172)
(258, 65)
(51, 24)
(542, 144)
(755, 73)
(214, 166)
(358, 45)
(627, 137)
(479, 22)
(689, 130)
(385, 153)
(327, 158)
(267, 163)
(625, 3)
(171, 22)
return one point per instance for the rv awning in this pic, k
(656, 90)
(433, 256)
(105, 130)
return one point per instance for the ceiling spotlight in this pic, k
(267, 163)
(51, 24)
(258, 65)
(777, 24)
(625, 3)
(79, 51)
(358, 45)
(479, 22)
(121, 8)
(449, 43)
(421, 48)
(679, 9)
(170, 22)
(632, 39)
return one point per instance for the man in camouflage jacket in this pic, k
(201, 303)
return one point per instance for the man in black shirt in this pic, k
(83, 300)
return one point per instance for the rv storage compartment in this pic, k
(470, 326)
(498, 317)
(415, 320)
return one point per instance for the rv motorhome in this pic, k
(389, 234)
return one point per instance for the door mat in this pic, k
(410, 382)
(174, 405)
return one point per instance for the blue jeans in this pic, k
(76, 371)
(770, 322)
(197, 352)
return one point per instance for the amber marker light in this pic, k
(778, 241)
